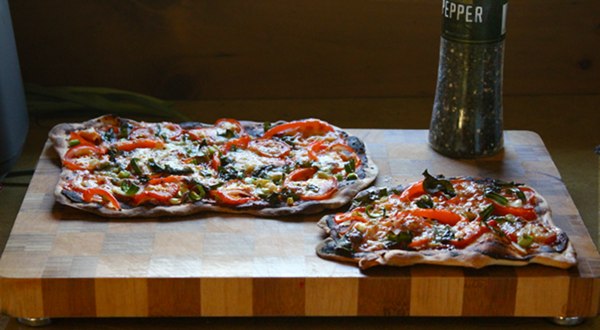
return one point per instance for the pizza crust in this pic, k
(475, 257)
(482, 253)
(58, 136)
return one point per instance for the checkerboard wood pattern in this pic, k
(62, 262)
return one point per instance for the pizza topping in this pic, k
(308, 184)
(441, 215)
(169, 131)
(105, 197)
(269, 148)
(231, 127)
(130, 145)
(83, 157)
(525, 241)
(140, 132)
(79, 138)
(424, 202)
(197, 196)
(467, 232)
(234, 192)
(305, 128)
(135, 167)
(413, 191)
(160, 191)
(351, 217)
(128, 188)
(224, 163)
(433, 185)
(375, 214)
(241, 143)
(438, 213)
(527, 213)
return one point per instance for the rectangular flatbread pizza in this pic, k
(460, 221)
(118, 167)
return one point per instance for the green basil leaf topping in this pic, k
(425, 202)
(129, 188)
(487, 212)
(496, 197)
(519, 194)
(124, 130)
(135, 167)
(154, 166)
(267, 126)
(399, 240)
(433, 185)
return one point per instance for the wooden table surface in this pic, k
(72, 224)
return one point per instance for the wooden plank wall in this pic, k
(203, 49)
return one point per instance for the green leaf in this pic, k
(266, 126)
(519, 194)
(135, 167)
(496, 197)
(425, 202)
(129, 189)
(486, 212)
(433, 185)
(402, 239)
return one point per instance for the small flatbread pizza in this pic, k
(460, 221)
(118, 167)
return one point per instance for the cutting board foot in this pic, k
(34, 321)
(567, 321)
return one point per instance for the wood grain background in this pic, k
(202, 49)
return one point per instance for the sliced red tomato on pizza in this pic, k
(102, 196)
(269, 148)
(161, 191)
(304, 128)
(82, 157)
(234, 192)
(309, 185)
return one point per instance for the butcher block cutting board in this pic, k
(62, 262)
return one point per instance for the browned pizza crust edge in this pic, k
(58, 136)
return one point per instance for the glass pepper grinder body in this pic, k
(467, 111)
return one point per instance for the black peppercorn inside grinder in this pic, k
(13, 112)
(467, 111)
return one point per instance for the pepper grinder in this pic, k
(467, 115)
